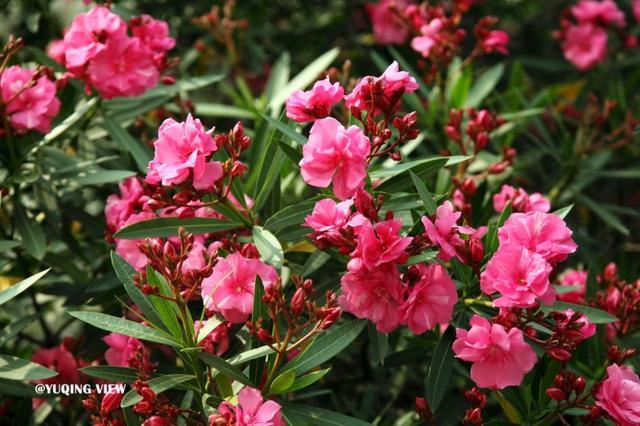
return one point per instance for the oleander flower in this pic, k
(28, 107)
(431, 299)
(378, 244)
(90, 33)
(182, 151)
(388, 27)
(573, 277)
(230, 287)
(587, 329)
(315, 103)
(251, 410)
(500, 358)
(599, 12)
(496, 41)
(428, 37)
(443, 231)
(126, 68)
(330, 220)
(122, 350)
(119, 207)
(635, 6)
(543, 233)
(128, 249)
(619, 395)
(337, 155)
(375, 295)
(520, 276)
(370, 93)
(585, 45)
(154, 34)
(521, 202)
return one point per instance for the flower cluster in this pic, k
(27, 96)
(114, 57)
(621, 299)
(250, 410)
(340, 155)
(583, 31)
(434, 30)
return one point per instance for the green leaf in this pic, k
(168, 226)
(294, 155)
(182, 85)
(15, 388)
(268, 246)
(314, 262)
(399, 179)
(563, 212)
(125, 274)
(378, 343)
(308, 379)
(484, 85)
(123, 326)
(318, 416)
(605, 214)
(141, 153)
(283, 382)
(6, 245)
(111, 373)
(225, 368)
(458, 84)
(327, 345)
(278, 77)
(268, 173)
(101, 176)
(307, 76)
(204, 109)
(425, 195)
(167, 310)
(286, 130)
(18, 288)
(33, 237)
(15, 327)
(292, 215)
(492, 236)
(67, 123)
(158, 385)
(250, 355)
(13, 368)
(596, 316)
(440, 369)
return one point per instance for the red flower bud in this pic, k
(298, 301)
(422, 408)
(148, 394)
(111, 402)
(559, 354)
(579, 385)
(556, 394)
(157, 421)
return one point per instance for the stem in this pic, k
(279, 358)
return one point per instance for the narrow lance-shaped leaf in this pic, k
(440, 368)
(13, 368)
(18, 288)
(169, 226)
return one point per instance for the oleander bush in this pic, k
(266, 213)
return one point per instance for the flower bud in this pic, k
(147, 394)
(422, 408)
(143, 407)
(111, 402)
(579, 385)
(556, 394)
(476, 250)
(157, 421)
(298, 301)
(559, 354)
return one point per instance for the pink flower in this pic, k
(181, 152)
(375, 295)
(315, 103)
(585, 45)
(388, 27)
(619, 395)
(520, 276)
(120, 207)
(56, 50)
(229, 289)
(499, 358)
(496, 41)
(123, 69)
(587, 329)
(520, 200)
(428, 37)
(379, 244)
(393, 83)
(431, 299)
(330, 219)
(217, 341)
(122, 350)
(128, 249)
(60, 360)
(154, 34)
(30, 108)
(542, 233)
(595, 12)
(252, 410)
(573, 277)
(195, 260)
(90, 33)
(443, 231)
(635, 6)
(336, 154)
